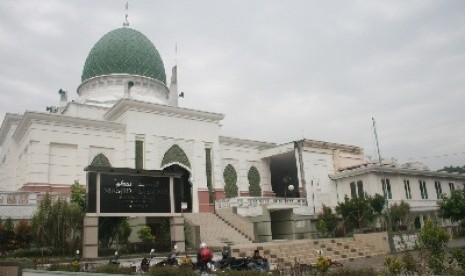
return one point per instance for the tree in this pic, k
(7, 236)
(453, 169)
(124, 232)
(356, 212)
(378, 203)
(40, 223)
(432, 240)
(57, 224)
(327, 221)
(399, 214)
(453, 207)
(108, 230)
(78, 195)
(145, 234)
(23, 234)
(430, 253)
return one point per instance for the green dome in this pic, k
(124, 51)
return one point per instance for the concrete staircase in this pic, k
(214, 231)
(242, 225)
(306, 251)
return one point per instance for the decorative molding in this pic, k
(124, 105)
(120, 79)
(331, 146)
(8, 121)
(18, 211)
(393, 170)
(245, 143)
(303, 210)
(29, 117)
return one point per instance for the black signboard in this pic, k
(123, 193)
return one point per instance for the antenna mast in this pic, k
(385, 183)
(376, 138)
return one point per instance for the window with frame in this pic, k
(353, 190)
(361, 193)
(386, 185)
(437, 186)
(139, 158)
(451, 187)
(423, 190)
(356, 189)
(408, 192)
(209, 173)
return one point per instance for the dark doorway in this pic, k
(281, 224)
(283, 168)
(182, 192)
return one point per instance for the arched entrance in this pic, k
(175, 160)
(183, 191)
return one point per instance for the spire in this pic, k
(176, 54)
(126, 22)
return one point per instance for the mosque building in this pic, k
(127, 116)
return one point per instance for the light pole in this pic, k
(289, 187)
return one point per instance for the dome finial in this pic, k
(126, 22)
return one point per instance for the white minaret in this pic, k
(174, 87)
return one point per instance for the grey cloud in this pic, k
(278, 70)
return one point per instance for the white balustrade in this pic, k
(259, 201)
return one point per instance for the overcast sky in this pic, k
(279, 70)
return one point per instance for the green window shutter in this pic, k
(208, 170)
(139, 155)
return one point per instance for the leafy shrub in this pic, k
(409, 264)
(353, 272)
(169, 271)
(25, 262)
(459, 256)
(59, 267)
(393, 264)
(322, 264)
(113, 269)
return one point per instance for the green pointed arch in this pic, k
(100, 160)
(230, 180)
(254, 182)
(175, 155)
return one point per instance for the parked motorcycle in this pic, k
(172, 258)
(114, 259)
(230, 263)
(145, 263)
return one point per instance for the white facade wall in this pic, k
(57, 152)
(242, 158)
(317, 167)
(85, 111)
(9, 160)
(160, 132)
(107, 90)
